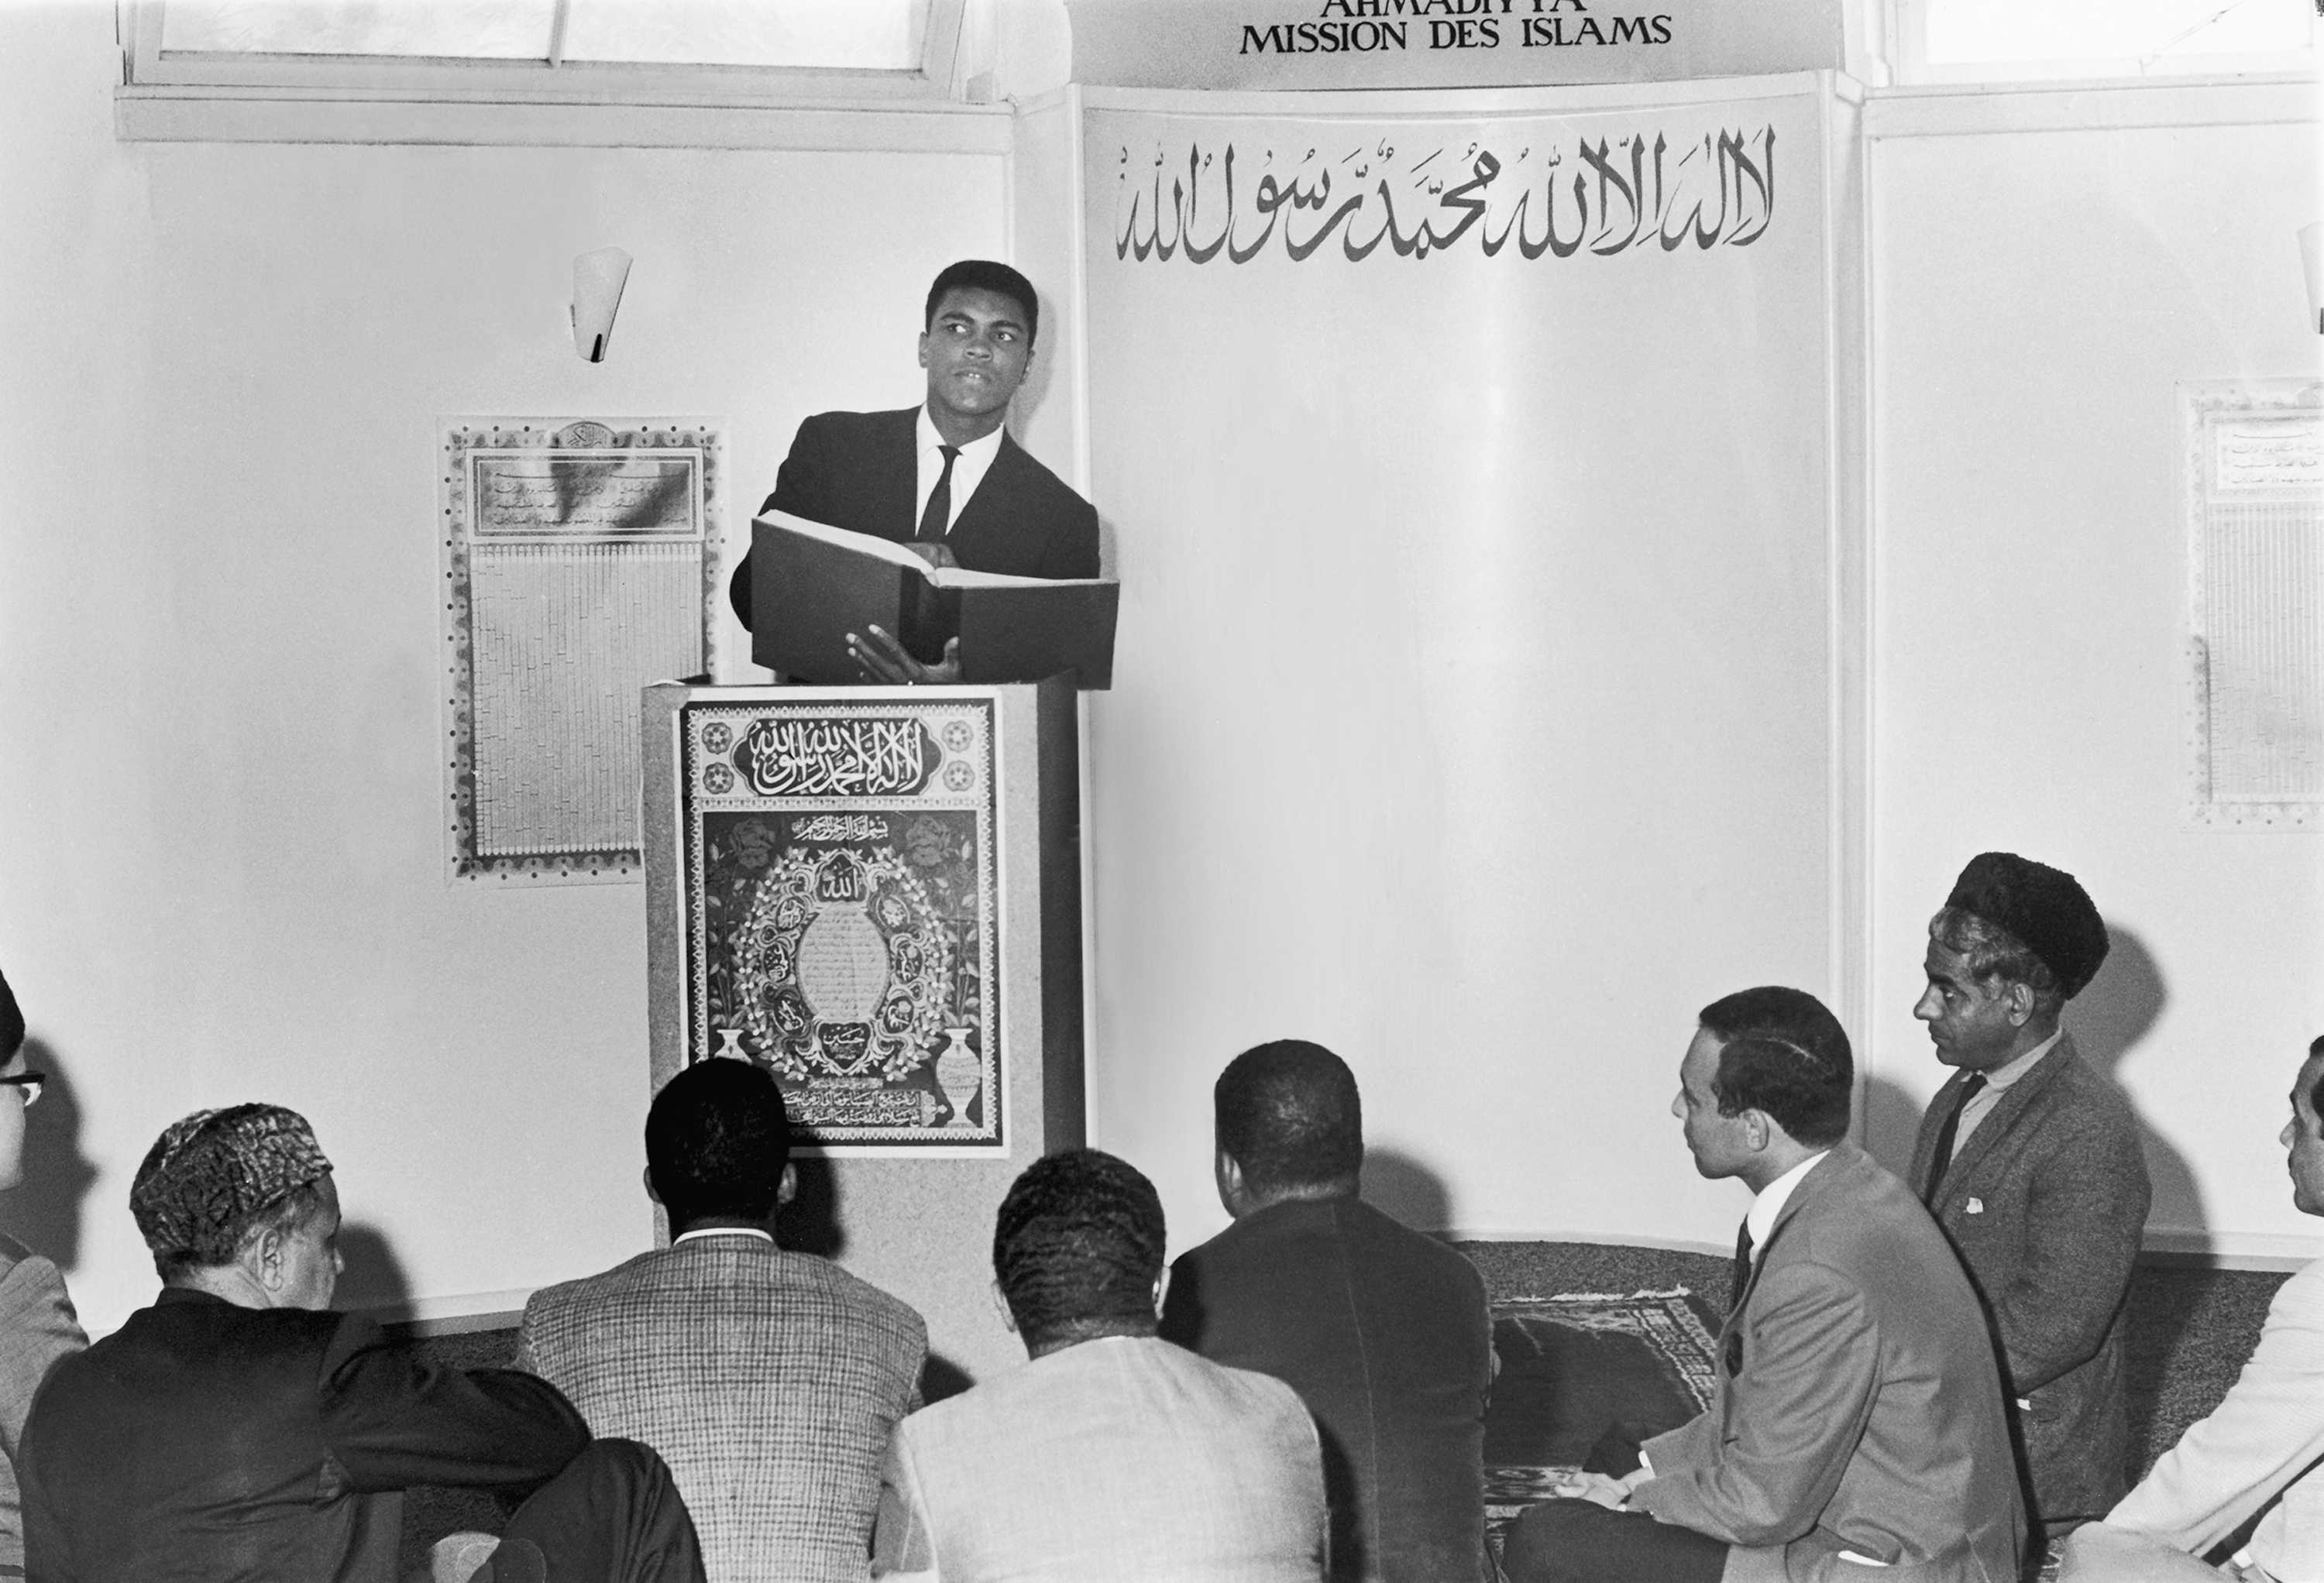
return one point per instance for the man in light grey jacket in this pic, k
(2257, 1453)
(37, 1323)
(1111, 1454)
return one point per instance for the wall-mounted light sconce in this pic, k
(2311, 253)
(597, 281)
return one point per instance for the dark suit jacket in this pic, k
(860, 471)
(2045, 1202)
(1384, 1335)
(204, 1441)
(1858, 1405)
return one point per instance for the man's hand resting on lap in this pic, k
(1602, 1489)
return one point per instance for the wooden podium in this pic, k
(875, 893)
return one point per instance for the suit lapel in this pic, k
(1731, 1333)
(894, 484)
(983, 516)
(2013, 1103)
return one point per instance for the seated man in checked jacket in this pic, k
(769, 1380)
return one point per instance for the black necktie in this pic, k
(1942, 1155)
(938, 516)
(1742, 1267)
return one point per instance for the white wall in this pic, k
(1471, 708)
(2040, 281)
(221, 800)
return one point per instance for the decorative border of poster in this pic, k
(580, 564)
(2253, 475)
(842, 904)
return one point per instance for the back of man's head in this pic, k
(1783, 1053)
(1077, 1248)
(717, 1139)
(1289, 1115)
(12, 1024)
(982, 274)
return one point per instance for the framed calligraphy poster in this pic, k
(842, 913)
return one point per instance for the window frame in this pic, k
(1909, 65)
(149, 71)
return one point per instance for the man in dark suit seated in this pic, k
(1859, 1421)
(236, 1429)
(944, 475)
(1382, 1332)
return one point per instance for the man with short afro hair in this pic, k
(1111, 1454)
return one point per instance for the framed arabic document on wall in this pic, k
(580, 564)
(2253, 471)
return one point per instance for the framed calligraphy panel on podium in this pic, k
(841, 903)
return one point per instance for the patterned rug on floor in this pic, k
(1575, 1368)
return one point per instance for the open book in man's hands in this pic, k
(812, 585)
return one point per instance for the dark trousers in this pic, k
(614, 1515)
(1578, 1542)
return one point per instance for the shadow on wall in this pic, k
(371, 1276)
(2108, 1020)
(1404, 1188)
(809, 1223)
(45, 1213)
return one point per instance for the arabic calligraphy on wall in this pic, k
(1535, 190)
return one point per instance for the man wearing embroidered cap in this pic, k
(2031, 1162)
(237, 1428)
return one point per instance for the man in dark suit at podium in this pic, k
(944, 476)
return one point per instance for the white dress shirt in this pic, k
(968, 468)
(722, 1231)
(1761, 1219)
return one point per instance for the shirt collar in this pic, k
(1761, 1220)
(2010, 1071)
(980, 451)
(722, 1231)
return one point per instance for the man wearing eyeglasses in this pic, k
(37, 1324)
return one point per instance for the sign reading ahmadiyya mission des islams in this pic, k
(1443, 43)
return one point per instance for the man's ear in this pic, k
(923, 348)
(261, 1255)
(1757, 1129)
(650, 1193)
(2020, 998)
(1227, 1172)
(1001, 1302)
(788, 1188)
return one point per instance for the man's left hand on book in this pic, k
(878, 657)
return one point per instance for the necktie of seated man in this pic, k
(1742, 1267)
(1943, 1154)
(937, 514)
